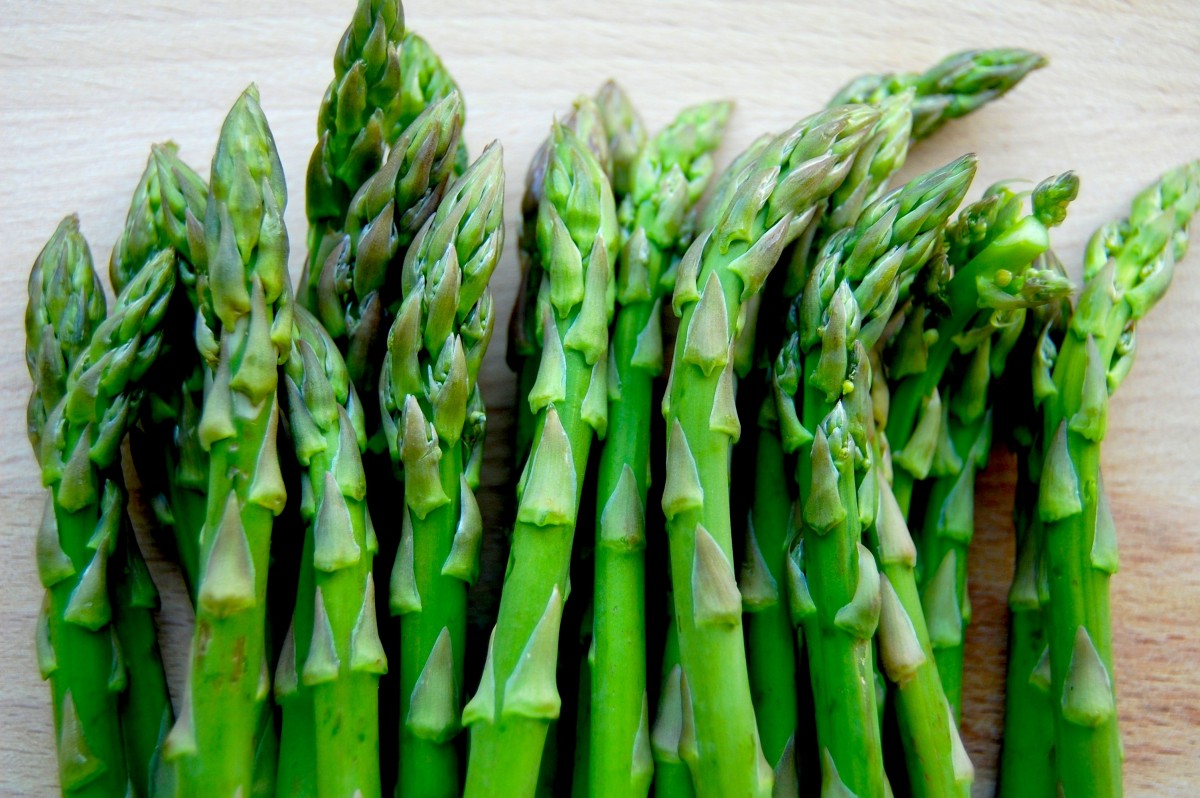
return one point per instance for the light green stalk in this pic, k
(434, 422)
(849, 298)
(771, 203)
(667, 179)
(86, 372)
(517, 697)
(952, 88)
(1128, 267)
(166, 212)
(672, 779)
(243, 332)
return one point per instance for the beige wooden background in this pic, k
(86, 86)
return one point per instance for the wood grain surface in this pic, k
(85, 87)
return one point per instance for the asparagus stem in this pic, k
(667, 179)
(433, 421)
(672, 779)
(517, 697)
(1128, 267)
(243, 332)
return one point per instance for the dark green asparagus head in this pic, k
(243, 281)
(166, 211)
(952, 88)
(66, 303)
(102, 391)
(426, 81)
(360, 278)
(626, 134)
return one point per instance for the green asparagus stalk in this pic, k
(433, 421)
(243, 332)
(850, 295)
(993, 251)
(524, 326)
(667, 179)
(165, 213)
(774, 200)
(327, 679)
(1128, 267)
(517, 697)
(672, 779)
(771, 645)
(952, 88)
(1026, 758)
(79, 438)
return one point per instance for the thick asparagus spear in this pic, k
(850, 295)
(244, 331)
(165, 213)
(667, 179)
(435, 349)
(772, 202)
(327, 679)
(79, 438)
(954, 87)
(517, 697)
(1128, 267)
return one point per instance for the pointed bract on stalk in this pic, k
(665, 180)
(767, 201)
(954, 87)
(243, 331)
(91, 366)
(433, 422)
(1128, 268)
(577, 238)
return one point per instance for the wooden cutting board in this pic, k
(86, 87)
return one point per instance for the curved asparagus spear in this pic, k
(435, 349)
(1128, 267)
(517, 697)
(667, 179)
(165, 213)
(850, 295)
(327, 680)
(993, 251)
(954, 87)
(79, 439)
(773, 201)
(243, 332)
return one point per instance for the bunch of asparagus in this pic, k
(792, 621)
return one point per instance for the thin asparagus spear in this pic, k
(774, 200)
(435, 350)
(952, 88)
(79, 438)
(1128, 267)
(850, 294)
(517, 697)
(165, 213)
(243, 332)
(668, 177)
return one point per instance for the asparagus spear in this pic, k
(850, 294)
(992, 250)
(517, 697)
(165, 213)
(772, 202)
(327, 680)
(435, 350)
(952, 88)
(79, 438)
(1128, 267)
(667, 179)
(243, 332)
(1026, 759)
